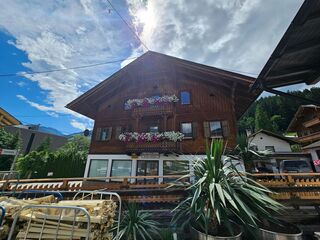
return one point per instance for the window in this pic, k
(186, 129)
(147, 168)
(121, 168)
(103, 134)
(154, 129)
(98, 168)
(185, 98)
(270, 148)
(175, 167)
(216, 129)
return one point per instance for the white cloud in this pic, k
(21, 84)
(55, 35)
(238, 35)
(80, 125)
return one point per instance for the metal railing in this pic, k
(46, 219)
(100, 194)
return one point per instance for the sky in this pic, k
(37, 36)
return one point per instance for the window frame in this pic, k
(190, 98)
(270, 148)
(192, 133)
(216, 136)
(124, 160)
(99, 132)
(97, 159)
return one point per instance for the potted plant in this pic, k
(221, 195)
(136, 225)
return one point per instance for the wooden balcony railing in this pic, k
(309, 138)
(312, 122)
(163, 147)
(153, 110)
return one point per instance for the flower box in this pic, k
(151, 137)
(150, 101)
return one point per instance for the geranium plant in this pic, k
(148, 101)
(151, 137)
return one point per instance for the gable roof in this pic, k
(297, 56)
(272, 134)
(6, 119)
(300, 111)
(312, 145)
(84, 104)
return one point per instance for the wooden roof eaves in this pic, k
(299, 20)
(297, 115)
(10, 117)
(105, 82)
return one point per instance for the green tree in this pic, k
(70, 159)
(7, 141)
(34, 164)
(262, 120)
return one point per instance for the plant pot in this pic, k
(286, 232)
(197, 235)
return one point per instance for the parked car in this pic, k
(295, 166)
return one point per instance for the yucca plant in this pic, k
(137, 225)
(221, 194)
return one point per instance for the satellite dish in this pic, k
(86, 132)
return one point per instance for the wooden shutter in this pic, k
(98, 132)
(194, 129)
(109, 134)
(118, 132)
(225, 128)
(206, 129)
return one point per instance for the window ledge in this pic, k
(188, 138)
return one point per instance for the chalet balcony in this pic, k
(161, 147)
(153, 110)
(309, 138)
(312, 122)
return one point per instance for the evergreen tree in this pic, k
(262, 120)
(7, 141)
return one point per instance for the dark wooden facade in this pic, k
(216, 95)
(306, 123)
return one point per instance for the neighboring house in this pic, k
(278, 147)
(6, 119)
(306, 123)
(156, 94)
(266, 140)
(31, 137)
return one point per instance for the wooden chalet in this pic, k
(306, 123)
(156, 94)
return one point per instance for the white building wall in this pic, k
(262, 140)
(160, 159)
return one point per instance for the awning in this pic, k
(296, 59)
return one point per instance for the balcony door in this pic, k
(147, 168)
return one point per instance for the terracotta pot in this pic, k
(197, 235)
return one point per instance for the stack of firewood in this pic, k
(58, 223)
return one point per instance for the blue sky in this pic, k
(237, 35)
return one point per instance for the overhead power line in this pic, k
(128, 25)
(64, 69)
